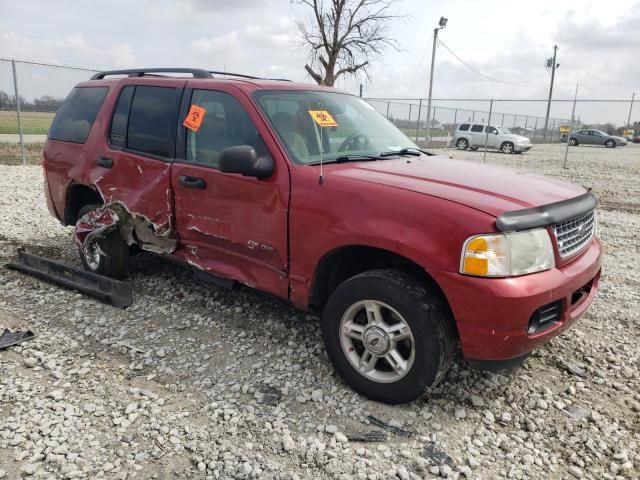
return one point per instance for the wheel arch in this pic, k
(347, 261)
(78, 195)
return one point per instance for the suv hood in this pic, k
(488, 188)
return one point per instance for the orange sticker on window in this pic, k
(323, 118)
(194, 118)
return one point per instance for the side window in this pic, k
(225, 124)
(152, 120)
(464, 127)
(492, 130)
(477, 128)
(77, 113)
(118, 134)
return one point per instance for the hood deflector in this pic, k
(546, 214)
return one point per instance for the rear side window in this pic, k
(477, 128)
(118, 133)
(77, 113)
(464, 127)
(152, 120)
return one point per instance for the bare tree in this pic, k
(343, 35)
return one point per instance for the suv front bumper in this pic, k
(493, 316)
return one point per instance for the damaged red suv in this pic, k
(311, 195)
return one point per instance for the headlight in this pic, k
(507, 254)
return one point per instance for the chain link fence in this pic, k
(410, 115)
(30, 94)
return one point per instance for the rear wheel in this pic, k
(388, 336)
(462, 144)
(506, 147)
(107, 256)
(573, 142)
(610, 144)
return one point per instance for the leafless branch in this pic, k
(344, 36)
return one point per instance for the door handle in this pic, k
(192, 182)
(105, 162)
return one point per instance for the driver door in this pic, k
(230, 225)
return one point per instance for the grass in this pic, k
(10, 153)
(32, 122)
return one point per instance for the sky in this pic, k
(599, 46)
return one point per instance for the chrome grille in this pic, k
(573, 234)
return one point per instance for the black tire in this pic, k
(430, 325)
(507, 147)
(573, 142)
(610, 144)
(113, 263)
(462, 144)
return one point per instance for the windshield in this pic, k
(341, 123)
(504, 130)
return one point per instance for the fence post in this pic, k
(453, 129)
(515, 121)
(473, 116)
(486, 135)
(573, 112)
(17, 94)
(526, 123)
(409, 121)
(419, 113)
(388, 109)
(535, 129)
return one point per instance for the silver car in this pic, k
(595, 137)
(474, 135)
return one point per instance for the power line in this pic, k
(485, 75)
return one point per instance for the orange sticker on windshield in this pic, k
(194, 118)
(323, 118)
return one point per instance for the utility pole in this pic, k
(553, 74)
(442, 24)
(633, 97)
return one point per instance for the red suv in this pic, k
(311, 195)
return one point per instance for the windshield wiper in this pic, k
(406, 151)
(351, 158)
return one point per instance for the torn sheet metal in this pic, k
(107, 289)
(135, 229)
(9, 338)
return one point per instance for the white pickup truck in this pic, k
(473, 136)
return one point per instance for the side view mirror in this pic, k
(495, 132)
(244, 160)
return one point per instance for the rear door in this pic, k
(230, 225)
(133, 168)
(477, 135)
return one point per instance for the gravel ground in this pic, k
(194, 381)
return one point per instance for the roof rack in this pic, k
(196, 72)
(140, 72)
(241, 75)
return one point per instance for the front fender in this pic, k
(427, 230)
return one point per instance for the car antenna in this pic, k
(321, 179)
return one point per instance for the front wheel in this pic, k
(507, 147)
(610, 144)
(388, 336)
(573, 142)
